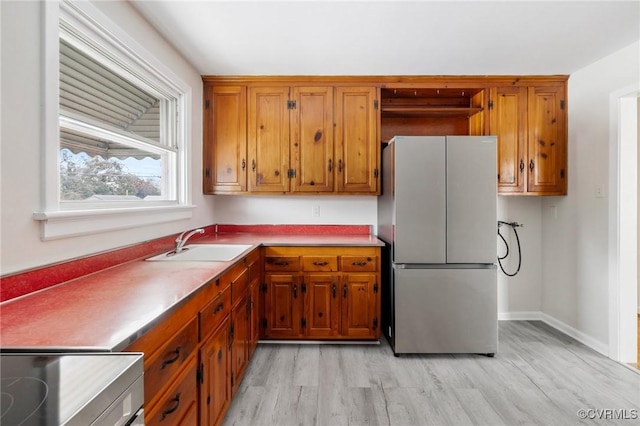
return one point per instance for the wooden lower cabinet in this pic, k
(322, 293)
(196, 356)
(179, 404)
(215, 383)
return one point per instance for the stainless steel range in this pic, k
(71, 389)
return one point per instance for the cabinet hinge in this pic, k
(263, 287)
(375, 104)
(303, 323)
(303, 287)
(562, 173)
(200, 373)
(375, 173)
(264, 322)
(206, 104)
(490, 105)
(207, 173)
(291, 173)
(291, 104)
(375, 323)
(562, 104)
(231, 332)
(232, 379)
(375, 287)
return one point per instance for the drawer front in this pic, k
(281, 263)
(179, 404)
(359, 263)
(169, 360)
(239, 286)
(214, 313)
(319, 263)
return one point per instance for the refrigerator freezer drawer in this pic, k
(445, 311)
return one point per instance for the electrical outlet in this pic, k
(599, 191)
(315, 211)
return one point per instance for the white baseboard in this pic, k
(558, 325)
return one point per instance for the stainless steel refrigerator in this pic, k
(438, 215)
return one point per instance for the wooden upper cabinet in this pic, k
(509, 123)
(547, 141)
(530, 123)
(357, 150)
(268, 139)
(312, 139)
(225, 139)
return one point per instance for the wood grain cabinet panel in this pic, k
(357, 155)
(215, 382)
(225, 133)
(334, 293)
(179, 404)
(530, 123)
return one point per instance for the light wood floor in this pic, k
(539, 376)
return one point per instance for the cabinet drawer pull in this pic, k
(218, 308)
(171, 360)
(176, 404)
(344, 291)
(279, 262)
(361, 263)
(320, 263)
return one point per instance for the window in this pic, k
(116, 128)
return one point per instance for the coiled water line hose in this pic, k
(513, 226)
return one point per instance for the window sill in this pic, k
(73, 223)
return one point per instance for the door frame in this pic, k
(623, 223)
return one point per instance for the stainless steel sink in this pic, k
(204, 253)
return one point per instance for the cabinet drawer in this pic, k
(281, 263)
(319, 263)
(159, 371)
(212, 315)
(359, 263)
(240, 285)
(178, 405)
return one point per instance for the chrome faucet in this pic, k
(182, 239)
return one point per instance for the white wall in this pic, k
(21, 91)
(354, 210)
(520, 296)
(575, 233)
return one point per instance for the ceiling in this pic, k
(393, 37)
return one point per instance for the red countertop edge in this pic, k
(27, 282)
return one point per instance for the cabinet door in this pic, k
(356, 158)
(240, 342)
(178, 406)
(322, 314)
(312, 139)
(547, 140)
(508, 121)
(360, 318)
(256, 314)
(225, 139)
(283, 306)
(268, 143)
(215, 389)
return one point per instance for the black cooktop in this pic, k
(63, 389)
